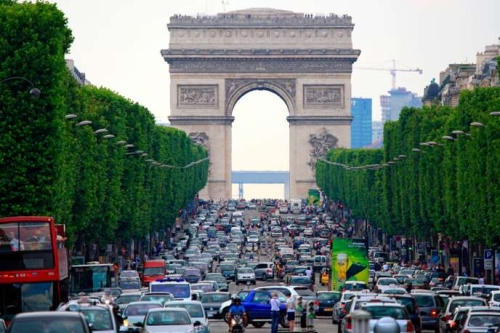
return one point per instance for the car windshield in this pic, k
(378, 312)
(304, 292)
(215, 298)
(484, 320)
(140, 309)
(125, 299)
(99, 318)
(194, 310)
(157, 298)
(387, 282)
(465, 302)
(226, 267)
(300, 280)
(164, 318)
(245, 270)
(408, 303)
(328, 296)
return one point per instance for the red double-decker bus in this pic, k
(33, 265)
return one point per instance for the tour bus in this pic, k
(33, 265)
(91, 277)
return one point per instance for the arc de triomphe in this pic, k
(306, 60)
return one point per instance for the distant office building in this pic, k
(361, 127)
(79, 76)
(396, 101)
(377, 130)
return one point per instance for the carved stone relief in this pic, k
(323, 96)
(320, 143)
(256, 65)
(197, 95)
(201, 138)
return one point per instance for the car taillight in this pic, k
(316, 303)
(409, 326)
(466, 331)
(434, 313)
(349, 323)
(452, 324)
(269, 270)
(447, 317)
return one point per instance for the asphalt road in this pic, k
(321, 324)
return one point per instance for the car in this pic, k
(192, 275)
(430, 306)
(339, 309)
(129, 284)
(326, 301)
(481, 321)
(355, 285)
(134, 315)
(160, 297)
(99, 316)
(454, 302)
(228, 269)
(124, 299)
(51, 321)
(196, 313)
(396, 311)
(356, 303)
(411, 306)
(245, 275)
(299, 280)
(212, 301)
(129, 274)
(384, 283)
(221, 280)
(172, 320)
(264, 271)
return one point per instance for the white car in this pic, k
(173, 320)
(244, 275)
(253, 239)
(384, 283)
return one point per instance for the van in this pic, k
(460, 280)
(153, 270)
(319, 263)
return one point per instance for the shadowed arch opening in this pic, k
(260, 140)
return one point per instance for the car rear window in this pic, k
(379, 311)
(328, 296)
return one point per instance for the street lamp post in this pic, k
(34, 91)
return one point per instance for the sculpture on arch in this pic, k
(201, 138)
(321, 143)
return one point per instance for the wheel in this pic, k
(237, 282)
(225, 314)
(258, 324)
(264, 277)
(284, 320)
(237, 330)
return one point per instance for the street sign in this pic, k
(488, 264)
(488, 254)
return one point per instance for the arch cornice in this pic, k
(237, 88)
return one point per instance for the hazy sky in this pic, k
(118, 42)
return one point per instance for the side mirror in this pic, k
(139, 324)
(197, 323)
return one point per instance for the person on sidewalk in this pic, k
(290, 312)
(275, 312)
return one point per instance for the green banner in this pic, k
(313, 197)
(349, 262)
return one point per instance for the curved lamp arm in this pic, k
(34, 91)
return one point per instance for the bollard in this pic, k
(361, 321)
(299, 309)
(310, 317)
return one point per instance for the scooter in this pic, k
(237, 324)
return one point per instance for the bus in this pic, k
(34, 265)
(91, 277)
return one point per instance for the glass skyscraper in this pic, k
(361, 126)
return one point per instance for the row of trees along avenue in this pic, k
(105, 186)
(438, 172)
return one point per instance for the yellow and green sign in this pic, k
(349, 262)
(313, 197)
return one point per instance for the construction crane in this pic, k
(393, 71)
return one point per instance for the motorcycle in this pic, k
(237, 324)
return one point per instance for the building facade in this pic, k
(361, 127)
(458, 77)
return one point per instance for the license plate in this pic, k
(210, 313)
(328, 309)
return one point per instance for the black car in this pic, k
(326, 301)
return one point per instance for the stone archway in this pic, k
(306, 60)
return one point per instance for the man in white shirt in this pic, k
(275, 312)
(308, 272)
